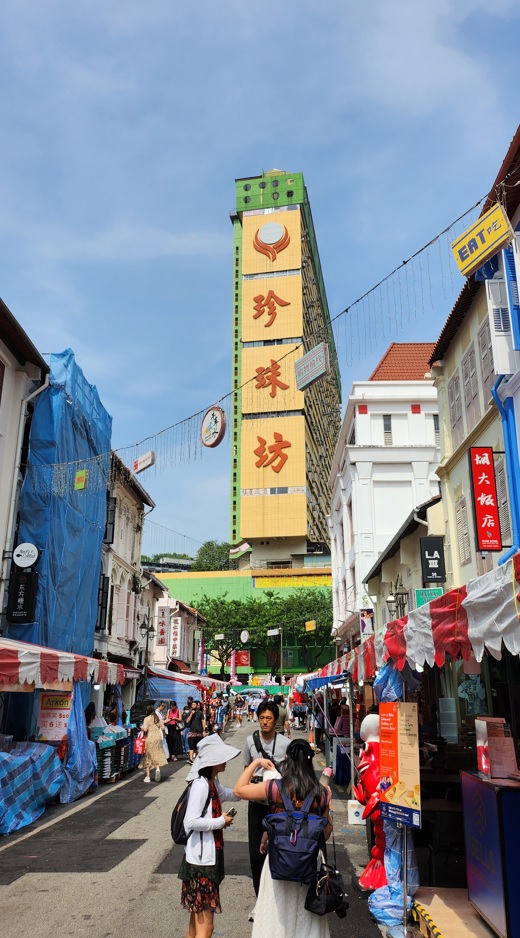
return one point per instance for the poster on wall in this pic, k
(400, 798)
(53, 715)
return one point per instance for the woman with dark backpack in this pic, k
(280, 908)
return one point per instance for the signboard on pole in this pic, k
(432, 560)
(400, 785)
(485, 503)
(485, 238)
(425, 596)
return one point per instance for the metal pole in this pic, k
(350, 686)
(281, 661)
(405, 878)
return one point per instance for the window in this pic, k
(503, 502)
(352, 437)
(469, 378)
(455, 408)
(461, 517)
(2, 373)
(387, 429)
(436, 430)
(487, 369)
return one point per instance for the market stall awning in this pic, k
(24, 666)
(132, 674)
(199, 679)
(179, 666)
(468, 620)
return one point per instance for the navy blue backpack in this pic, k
(295, 838)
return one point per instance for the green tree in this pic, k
(228, 617)
(212, 555)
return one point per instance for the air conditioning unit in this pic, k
(505, 359)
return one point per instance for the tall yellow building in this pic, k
(283, 438)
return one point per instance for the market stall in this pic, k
(45, 753)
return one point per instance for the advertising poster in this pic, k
(400, 798)
(53, 715)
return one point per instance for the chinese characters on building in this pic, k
(273, 455)
(487, 521)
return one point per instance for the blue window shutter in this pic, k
(512, 294)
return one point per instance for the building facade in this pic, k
(282, 438)
(384, 466)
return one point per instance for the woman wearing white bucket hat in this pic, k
(202, 867)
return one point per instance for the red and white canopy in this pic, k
(24, 666)
(181, 678)
(482, 616)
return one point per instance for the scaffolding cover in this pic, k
(69, 427)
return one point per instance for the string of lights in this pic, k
(380, 309)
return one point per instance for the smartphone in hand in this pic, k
(231, 812)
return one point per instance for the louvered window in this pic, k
(470, 380)
(387, 428)
(487, 368)
(2, 373)
(461, 515)
(455, 408)
(436, 430)
(503, 501)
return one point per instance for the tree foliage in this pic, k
(212, 555)
(229, 617)
(157, 558)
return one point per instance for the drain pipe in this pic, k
(14, 486)
(507, 414)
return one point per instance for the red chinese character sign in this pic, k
(270, 378)
(163, 626)
(485, 506)
(268, 303)
(273, 455)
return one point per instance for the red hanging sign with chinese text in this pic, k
(485, 506)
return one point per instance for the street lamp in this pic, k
(397, 600)
(147, 630)
(280, 633)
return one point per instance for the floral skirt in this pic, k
(200, 885)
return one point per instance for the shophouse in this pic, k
(23, 375)
(384, 466)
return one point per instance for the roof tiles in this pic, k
(404, 361)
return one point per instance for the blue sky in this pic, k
(124, 125)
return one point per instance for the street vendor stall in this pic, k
(46, 754)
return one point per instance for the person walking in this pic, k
(280, 906)
(202, 867)
(154, 756)
(186, 710)
(196, 726)
(173, 735)
(268, 744)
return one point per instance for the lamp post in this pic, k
(147, 630)
(280, 633)
(397, 600)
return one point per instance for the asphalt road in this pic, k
(106, 867)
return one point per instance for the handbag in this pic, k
(140, 744)
(327, 893)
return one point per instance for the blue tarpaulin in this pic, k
(80, 769)
(70, 431)
(31, 776)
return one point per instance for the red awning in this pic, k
(22, 663)
(179, 666)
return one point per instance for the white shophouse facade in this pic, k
(384, 466)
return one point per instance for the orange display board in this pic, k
(271, 242)
(400, 797)
(272, 308)
(273, 385)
